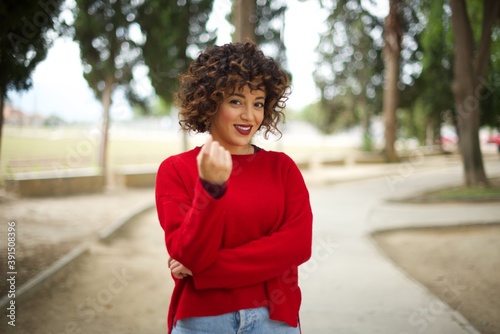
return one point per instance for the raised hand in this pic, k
(214, 162)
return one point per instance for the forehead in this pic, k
(253, 89)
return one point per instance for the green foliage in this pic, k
(269, 24)
(53, 121)
(109, 45)
(174, 33)
(367, 143)
(475, 13)
(270, 27)
(26, 33)
(490, 96)
(332, 116)
(433, 87)
(437, 63)
(413, 122)
(350, 73)
(157, 107)
(349, 70)
(314, 114)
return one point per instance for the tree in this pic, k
(492, 96)
(26, 33)
(437, 64)
(174, 33)
(392, 54)
(349, 68)
(110, 50)
(262, 22)
(470, 69)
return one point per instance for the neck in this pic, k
(249, 149)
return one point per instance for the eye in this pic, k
(235, 101)
(259, 104)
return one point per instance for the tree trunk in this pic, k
(433, 133)
(391, 53)
(430, 140)
(245, 17)
(2, 98)
(103, 149)
(365, 123)
(467, 87)
(438, 141)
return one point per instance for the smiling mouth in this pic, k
(243, 129)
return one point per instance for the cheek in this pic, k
(227, 116)
(260, 117)
(224, 117)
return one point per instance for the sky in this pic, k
(60, 89)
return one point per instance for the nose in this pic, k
(246, 113)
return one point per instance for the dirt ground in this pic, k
(460, 265)
(48, 228)
(120, 286)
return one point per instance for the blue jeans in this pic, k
(248, 321)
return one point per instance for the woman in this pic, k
(237, 218)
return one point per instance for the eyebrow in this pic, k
(243, 96)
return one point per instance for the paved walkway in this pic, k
(122, 286)
(349, 286)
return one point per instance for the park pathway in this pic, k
(349, 286)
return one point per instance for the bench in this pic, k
(136, 176)
(55, 183)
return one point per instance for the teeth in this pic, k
(244, 128)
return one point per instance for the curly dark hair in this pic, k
(230, 66)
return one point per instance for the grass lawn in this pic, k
(39, 149)
(465, 194)
(72, 146)
(458, 194)
(29, 150)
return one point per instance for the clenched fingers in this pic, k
(214, 162)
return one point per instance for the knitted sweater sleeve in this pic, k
(188, 214)
(271, 256)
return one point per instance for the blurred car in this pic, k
(449, 139)
(494, 139)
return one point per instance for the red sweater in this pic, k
(244, 247)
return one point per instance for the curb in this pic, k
(108, 232)
(389, 170)
(46, 273)
(103, 236)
